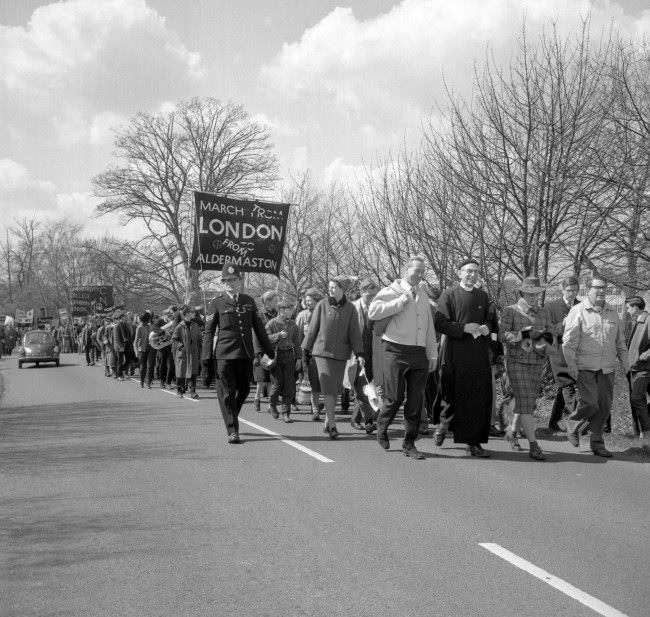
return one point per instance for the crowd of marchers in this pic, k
(398, 347)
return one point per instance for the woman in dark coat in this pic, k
(332, 337)
(186, 347)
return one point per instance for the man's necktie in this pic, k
(414, 293)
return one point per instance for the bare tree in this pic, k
(204, 145)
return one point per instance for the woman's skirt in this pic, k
(330, 375)
(525, 380)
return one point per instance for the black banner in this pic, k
(91, 298)
(249, 233)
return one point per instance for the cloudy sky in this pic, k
(336, 82)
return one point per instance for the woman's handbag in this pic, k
(304, 391)
(268, 363)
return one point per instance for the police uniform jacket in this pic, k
(234, 322)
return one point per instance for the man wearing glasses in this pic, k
(593, 341)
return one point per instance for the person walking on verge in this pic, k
(186, 347)
(593, 340)
(557, 311)
(639, 362)
(233, 316)
(332, 337)
(283, 333)
(467, 320)
(526, 331)
(410, 351)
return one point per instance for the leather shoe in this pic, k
(333, 433)
(536, 454)
(573, 439)
(602, 451)
(413, 453)
(477, 450)
(382, 440)
(234, 438)
(439, 436)
(371, 427)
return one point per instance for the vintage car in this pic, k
(38, 346)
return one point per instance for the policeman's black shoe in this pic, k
(413, 453)
(439, 436)
(234, 438)
(273, 410)
(382, 439)
(477, 450)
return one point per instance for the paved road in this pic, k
(121, 501)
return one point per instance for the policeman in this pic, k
(233, 316)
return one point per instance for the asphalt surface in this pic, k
(121, 501)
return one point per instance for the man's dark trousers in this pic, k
(596, 395)
(639, 382)
(233, 384)
(406, 368)
(565, 400)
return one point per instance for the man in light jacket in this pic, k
(410, 351)
(593, 340)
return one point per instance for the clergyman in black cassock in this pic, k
(467, 321)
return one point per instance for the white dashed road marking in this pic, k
(289, 442)
(561, 585)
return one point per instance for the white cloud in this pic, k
(394, 65)
(85, 63)
(19, 189)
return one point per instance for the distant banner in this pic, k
(91, 298)
(24, 318)
(249, 233)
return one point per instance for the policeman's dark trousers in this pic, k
(283, 385)
(406, 368)
(233, 384)
(147, 365)
(639, 381)
(596, 394)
